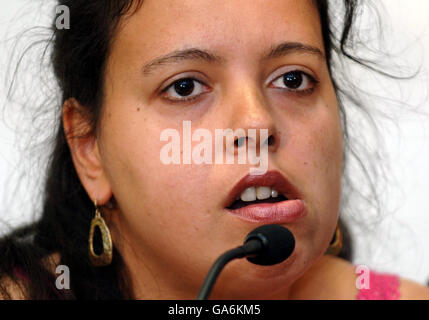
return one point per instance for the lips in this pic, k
(287, 211)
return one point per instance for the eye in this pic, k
(183, 90)
(296, 81)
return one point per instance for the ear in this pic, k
(84, 148)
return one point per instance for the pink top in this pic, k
(381, 286)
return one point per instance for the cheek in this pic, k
(319, 141)
(315, 155)
(168, 194)
(319, 162)
(326, 143)
(159, 203)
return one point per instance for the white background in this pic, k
(405, 229)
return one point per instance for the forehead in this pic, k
(233, 27)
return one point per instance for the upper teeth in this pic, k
(260, 193)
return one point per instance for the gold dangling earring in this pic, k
(105, 258)
(336, 244)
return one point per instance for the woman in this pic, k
(130, 70)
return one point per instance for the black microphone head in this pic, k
(278, 242)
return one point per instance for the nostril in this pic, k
(239, 142)
(271, 140)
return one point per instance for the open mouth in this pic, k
(268, 198)
(237, 204)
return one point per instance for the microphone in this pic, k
(266, 245)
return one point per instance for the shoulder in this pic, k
(330, 278)
(410, 290)
(333, 278)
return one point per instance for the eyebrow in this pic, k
(196, 54)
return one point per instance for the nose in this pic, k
(250, 111)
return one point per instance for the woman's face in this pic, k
(172, 217)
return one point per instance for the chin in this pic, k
(244, 280)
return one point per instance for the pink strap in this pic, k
(382, 286)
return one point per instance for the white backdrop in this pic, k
(406, 229)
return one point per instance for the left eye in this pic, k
(295, 81)
(184, 89)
